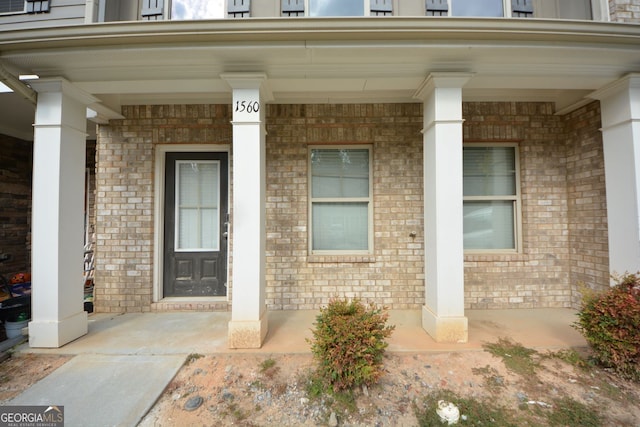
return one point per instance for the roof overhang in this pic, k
(338, 60)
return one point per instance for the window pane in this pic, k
(197, 9)
(340, 173)
(336, 7)
(197, 193)
(187, 228)
(477, 8)
(209, 233)
(340, 226)
(489, 225)
(489, 171)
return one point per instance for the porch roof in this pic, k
(320, 60)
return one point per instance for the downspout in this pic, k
(17, 86)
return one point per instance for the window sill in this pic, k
(495, 257)
(318, 259)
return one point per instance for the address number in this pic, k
(247, 106)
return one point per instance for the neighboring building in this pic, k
(274, 154)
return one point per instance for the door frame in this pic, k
(158, 213)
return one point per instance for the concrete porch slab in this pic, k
(206, 332)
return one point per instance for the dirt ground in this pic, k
(272, 390)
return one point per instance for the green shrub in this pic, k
(349, 343)
(610, 322)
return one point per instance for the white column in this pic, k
(620, 110)
(443, 313)
(58, 315)
(248, 326)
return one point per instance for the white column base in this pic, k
(56, 333)
(445, 329)
(248, 333)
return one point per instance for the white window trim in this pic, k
(517, 199)
(370, 233)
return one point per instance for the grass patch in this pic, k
(516, 358)
(569, 412)
(473, 412)
(267, 364)
(492, 379)
(573, 358)
(193, 356)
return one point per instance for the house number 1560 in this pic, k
(247, 106)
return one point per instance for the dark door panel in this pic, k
(199, 268)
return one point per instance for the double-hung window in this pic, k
(491, 202)
(340, 200)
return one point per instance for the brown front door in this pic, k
(195, 213)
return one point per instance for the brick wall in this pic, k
(558, 197)
(16, 161)
(624, 11)
(539, 276)
(587, 205)
(394, 274)
(125, 196)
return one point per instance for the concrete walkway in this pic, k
(125, 362)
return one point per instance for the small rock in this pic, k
(227, 395)
(193, 403)
(304, 400)
(333, 420)
(522, 397)
(365, 390)
(197, 371)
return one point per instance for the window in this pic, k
(491, 202)
(486, 8)
(12, 6)
(196, 9)
(477, 8)
(340, 200)
(197, 205)
(336, 7)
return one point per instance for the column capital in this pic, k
(250, 81)
(628, 82)
(62, 85)
(441, 80)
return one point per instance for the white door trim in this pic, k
(158, 211)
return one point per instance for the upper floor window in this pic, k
(477, 8)
(197, 9)
(12, 6)
(336, 8)
(24, 6)
(486, 8)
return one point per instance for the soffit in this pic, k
(330, 60)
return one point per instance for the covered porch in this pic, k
(404, 61)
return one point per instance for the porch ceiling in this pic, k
(320, 61)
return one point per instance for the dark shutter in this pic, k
(239, 8)
(381, 7)
(37, 6)
(437, 7)
(152, 10)
(522, 8)
(292, 7)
